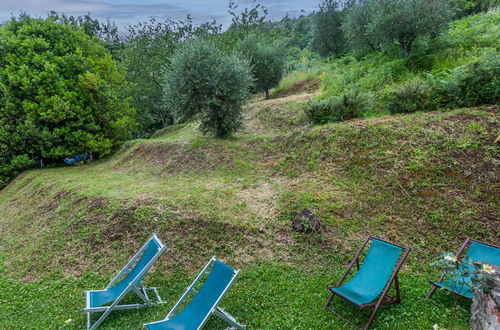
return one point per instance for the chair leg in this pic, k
(382, 299)
(142, 294)
(396, 286)
(219, 312)
(88, 320)
(372, 317)
(329, 301)
(431, 292)
(101, 319)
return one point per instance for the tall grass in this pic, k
(423, 79)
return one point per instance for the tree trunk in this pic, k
(267, 94)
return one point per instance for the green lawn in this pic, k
(269, 295)
(422, 180)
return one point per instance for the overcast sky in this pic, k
(126, 12)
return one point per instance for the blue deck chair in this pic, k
(127, 280)
(459, 285)
(369, 287)
(205, 302)
(75, 159)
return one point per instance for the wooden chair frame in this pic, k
(384, 297)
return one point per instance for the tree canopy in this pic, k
(327, 37)
(60, 94)
(203, 81)
(148, 49)
(267, 59)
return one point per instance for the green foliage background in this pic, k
(60, 94)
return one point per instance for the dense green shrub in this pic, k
(473, 84)
(60, 94)
(469, 85)
(203, 81)
(337, 108)
(409, 97)
(267, 59)
(479, 82)
(469, 7)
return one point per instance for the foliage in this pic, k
(469, 7)
(355, 26)
(298, 31)
(267, 59)
(408, 97)
(106, 32)
(370, 74)
(245, 22)
(202, 80)
(149, 47)
(327, 37)
(458, 69)
(380, 23)
(406, 20)
(248, 19)
(473, 84)
(60, 94)
(335, 109)
(299, 60)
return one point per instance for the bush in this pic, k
(469, 85)
(267, 59)
(203, 81)
(469, 7)
(473, 84)
(60, 94)
(336, 108)
(409, 97)
(479, 82)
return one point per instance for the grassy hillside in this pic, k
(447, 72)
(425, 180)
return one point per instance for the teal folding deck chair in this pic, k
(369, 287)
(205, 302)
(458, 284)
(129, 279)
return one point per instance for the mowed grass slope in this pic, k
(425, 180)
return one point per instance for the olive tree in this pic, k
(327, 37)
(267, 59)
(404, 21)
(149, 46)
(204, 82)
(356, 26)
(373, 24)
